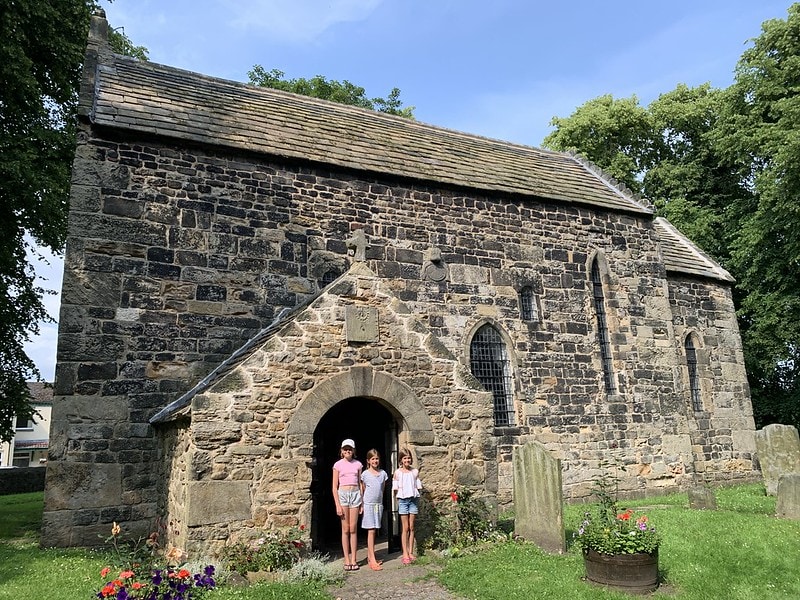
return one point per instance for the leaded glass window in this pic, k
(602, 328)
(694, 379)
(527, 305)
(490, 365)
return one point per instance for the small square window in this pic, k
(527, 304)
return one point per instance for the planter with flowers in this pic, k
(620, 547)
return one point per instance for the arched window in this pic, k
(490, 365)
(694, 378)
(602, 328)
(527, 304)
(328, 277)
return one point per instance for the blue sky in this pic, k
(501, 69)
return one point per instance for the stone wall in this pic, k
(177, 256)
(251, 430)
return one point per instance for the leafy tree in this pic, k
(724, 166)
(615, 134)
(42, 46)
(760, 130)
(343, 92)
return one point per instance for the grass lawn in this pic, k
(737, 552)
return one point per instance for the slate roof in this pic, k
(156, 99)
(682, 256)
(149, 98)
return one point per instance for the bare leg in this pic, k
(352, 521)
(411, 537)
(371, 546)
(345, 538)
(404, 537)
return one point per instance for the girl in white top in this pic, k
(406, 486)
(373, 480)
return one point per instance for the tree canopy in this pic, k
(343, 92)
(42, 45)
(724, 166)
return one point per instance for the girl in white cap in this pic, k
(347, 496)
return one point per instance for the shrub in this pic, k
(276, 551)
(462, 521)
(314, 568)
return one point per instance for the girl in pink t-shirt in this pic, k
(347, 496)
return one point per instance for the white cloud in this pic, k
(296, 20)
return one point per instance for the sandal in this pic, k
(354, 567)
(406, 560)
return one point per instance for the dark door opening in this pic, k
(370, 425)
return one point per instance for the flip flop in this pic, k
(354, 567)
(406, 560)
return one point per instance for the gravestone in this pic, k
(788, 503)
(778, 448)
(702, 498)
(538, 499)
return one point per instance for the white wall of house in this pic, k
(28, 447)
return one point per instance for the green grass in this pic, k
(737, 552)
(21, 516)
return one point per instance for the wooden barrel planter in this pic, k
(632, 573)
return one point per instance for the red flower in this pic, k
(107, 590)
(137, 585)
(454, 497)
(626, 515)
(126, 574)
(183, 573)
(302, 527)
(105, 571)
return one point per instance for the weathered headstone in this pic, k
(702, 498)
(778, 448)
(538, 498)
(788, 502)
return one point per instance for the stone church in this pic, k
(252, 276)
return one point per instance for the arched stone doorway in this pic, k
(375, 409)
(371, 425)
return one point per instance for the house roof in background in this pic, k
(42, 392)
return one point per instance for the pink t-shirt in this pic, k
(348, 471)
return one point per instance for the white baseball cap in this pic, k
(349, 443)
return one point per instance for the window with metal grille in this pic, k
(694, 379)
(602, 328)
(328, 277)
(527, 306)
(490, 365)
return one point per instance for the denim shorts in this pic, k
(407, 506)
(350, 498)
